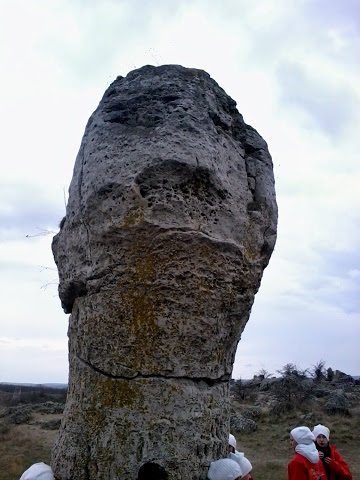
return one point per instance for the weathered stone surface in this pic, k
(338, 403)
(238, 423)
(170, 223)
(341, 377)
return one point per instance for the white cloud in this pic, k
(292, 68)
(41, 360)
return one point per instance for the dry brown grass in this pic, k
(267, 448)
(23, 445)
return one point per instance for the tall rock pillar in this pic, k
(170, 222)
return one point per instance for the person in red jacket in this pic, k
(306, 464)
(335, 466)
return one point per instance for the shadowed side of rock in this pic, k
(170, 223)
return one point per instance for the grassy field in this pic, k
(267, 447)
(23, 445)
(26, 443)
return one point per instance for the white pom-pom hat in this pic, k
(38, 471)
(232, 440)
(224, 469)
(243, 462)
(321, 430)
(302, 435)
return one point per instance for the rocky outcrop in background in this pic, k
(170, 223)
(294, 390)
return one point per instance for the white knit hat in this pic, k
(38, 471)
(232, 440)
(244, 463)
(224, 469)
(302, 435)
(321, 430)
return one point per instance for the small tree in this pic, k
(319, 370)
(238, 389)
(292, 389)
(263, 373)
(290, 369)
(329, 374)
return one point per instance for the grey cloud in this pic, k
(332, 108)
(14, 267)
(326, 29)
(324, 278)
(306, 330)
(107, 30)
(43, 275)
(248, 365)
(333, 13)
(339, 27)
(335, 286)
(340, 262)
(27, 210)
(337, 292)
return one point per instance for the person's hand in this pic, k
(327, 460)
(321, 455)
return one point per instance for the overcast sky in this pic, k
(293, 68)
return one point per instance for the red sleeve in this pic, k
(296, 471)
(338, 466)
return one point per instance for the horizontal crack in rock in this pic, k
(208, 381)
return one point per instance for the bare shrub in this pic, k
(329, 374)
(18, 414)
(291, 390)
(338, 404)
(237, 388)
(263, 373)
(252, 412)
(318, 372)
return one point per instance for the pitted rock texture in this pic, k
(170, 223)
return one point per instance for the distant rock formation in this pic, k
(170, 223)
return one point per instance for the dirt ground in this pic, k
(34, 429)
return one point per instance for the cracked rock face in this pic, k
(170, 223)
